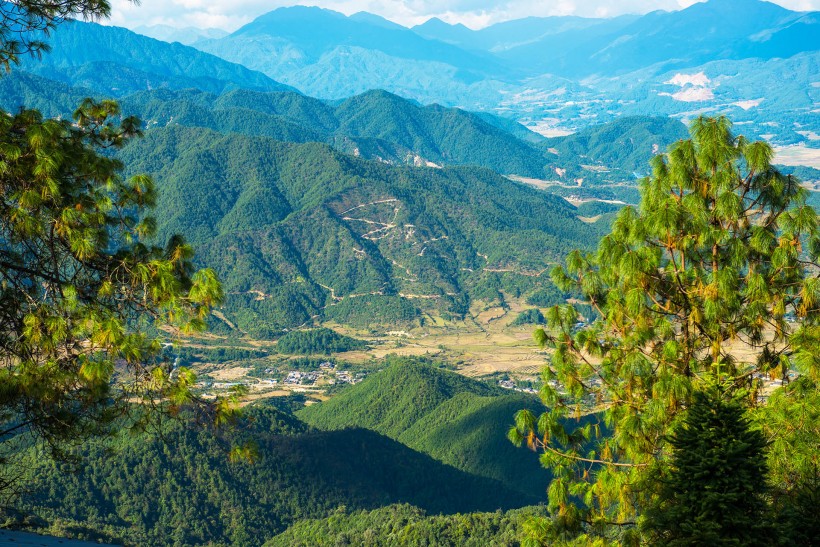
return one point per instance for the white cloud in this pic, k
(231, 14)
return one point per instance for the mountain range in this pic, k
(371, 211)
(556, 72)
(377, 204)
(375, 209)
(555, 75)
(297, 231)
(115, 62)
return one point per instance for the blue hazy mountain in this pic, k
(286, 42)
(574, 71)
(326, 54)
(185, 35)
(116, 61)
(704, 32)
(314, 32)
(516, 33)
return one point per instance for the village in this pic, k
(276, 382)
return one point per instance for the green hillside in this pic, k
(391, 401)
(382, 126)
(115, 61)
(438, 134)
(21, 89)
(406, 525)
(376, 124)
(296, 229)
(317, 341)
(180, 489)
(456, 420)
(627, 144)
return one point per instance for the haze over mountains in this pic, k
(554, 74)
(721, 55)
(115, 61)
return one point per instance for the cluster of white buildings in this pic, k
(297, 378)
(509, 384)
(326, 369)
(346, 377)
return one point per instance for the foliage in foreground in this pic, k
(713, 492)
(80, 292)
(720, 254)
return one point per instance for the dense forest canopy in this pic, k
(680, 403)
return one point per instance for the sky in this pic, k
(231, 14)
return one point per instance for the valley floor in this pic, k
(485, 345)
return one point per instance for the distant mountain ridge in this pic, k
(325, 54)
(571, 71)
(186, 35)
(315, 31)
(116, 61)
(713, 30)
(570, 46)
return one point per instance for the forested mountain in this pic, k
(377, 125)
(405, 525)
(437, 134)
(344, 224)
(299, 230)
(115, 62)
(625, 144)
(288, 43)
(54, 99)
(374, 125)
(382, 126)
(442, 414)
(556, 72)
(179, 488)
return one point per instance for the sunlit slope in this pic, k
(459, 421)
(295, 229)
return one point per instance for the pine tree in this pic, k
(791, 419)
(81, 293)
(713, 494)
(716, 257)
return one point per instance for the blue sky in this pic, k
(231, 14)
